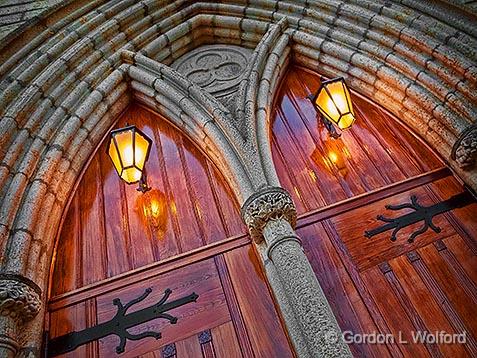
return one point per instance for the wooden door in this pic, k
(375, 285)
(107, 251)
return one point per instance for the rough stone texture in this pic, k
(267, 204)
(14, 13)
(318, 324)
(465, 149)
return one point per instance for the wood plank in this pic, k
(408, 307)
(146, 272)
(91, 210)
(115, 218)
(462, 219)
(68, 320)
(460, 309)
(68, 253)
(425, 304)
(234, 309)
(225, 341)
(189, 348)
(369, 252)
(262, 321)
(464, 256)
(181, 203)
(371, 197)
(393, 312)
(210, 309)
(345, 300)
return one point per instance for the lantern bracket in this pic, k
(326, 122)
(142, 185)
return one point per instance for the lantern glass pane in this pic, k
(131, 175)
(124, 141)
(338, 94)
(348, 96)
(113, 154)
(326, 106)
(142, 146)
(346, 121)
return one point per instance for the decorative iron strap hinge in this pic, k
(420, 213)
(120, 323)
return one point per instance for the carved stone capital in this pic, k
(464, 151)
(20, 298)
(271, 203)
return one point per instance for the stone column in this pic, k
(19, 303)
(270, 216)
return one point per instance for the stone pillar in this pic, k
(270, 216)
(19, 303)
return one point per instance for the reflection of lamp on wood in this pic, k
(152, 208)
(334, 154)
(333, 102)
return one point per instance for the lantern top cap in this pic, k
(324, 82)
(129, 127)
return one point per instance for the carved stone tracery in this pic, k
(20, 298)
(272, 203)
(216, 68)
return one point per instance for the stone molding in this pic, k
(20, 298)
(464, 151)
(271, 203)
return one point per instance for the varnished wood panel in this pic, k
(367, 252)
(376, 285)
(210, 309)
(376, 151)
(397, 288)
(234, 305)
(103, 234)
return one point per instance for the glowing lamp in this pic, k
(129, 149)
(333, 101)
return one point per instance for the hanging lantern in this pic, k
(129, 149)
(333, 101)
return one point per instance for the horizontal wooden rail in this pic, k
(145, 272)
(343, 206)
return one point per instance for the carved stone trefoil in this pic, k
(464, 151)
(216, 68)
(271, 203)
(20, 298)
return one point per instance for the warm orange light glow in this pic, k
(152, 207)
(128, 150)
(334, 102)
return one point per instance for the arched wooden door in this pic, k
(375, 285)
(107, 250)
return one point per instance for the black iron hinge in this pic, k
(120, 324)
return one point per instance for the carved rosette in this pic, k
(20, 298)
(272, 203)
(464, 151)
